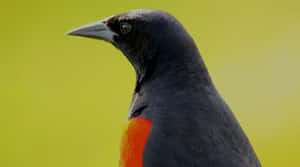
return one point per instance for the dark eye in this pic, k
(125, 28)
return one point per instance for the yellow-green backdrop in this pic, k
(64, 100)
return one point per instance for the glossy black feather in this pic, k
(191, 124)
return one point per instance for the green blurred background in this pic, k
(64, 100)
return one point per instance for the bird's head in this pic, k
(141, 35)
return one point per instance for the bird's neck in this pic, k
(179, 70)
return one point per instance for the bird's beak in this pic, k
(98, 30)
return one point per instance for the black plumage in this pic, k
(192, 126)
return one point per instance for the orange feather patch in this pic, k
(133, 141)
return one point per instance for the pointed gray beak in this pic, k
(98, 30)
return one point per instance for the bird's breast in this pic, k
(134, 138)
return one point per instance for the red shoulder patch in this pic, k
(134, 138)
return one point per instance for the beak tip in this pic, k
(69, 33)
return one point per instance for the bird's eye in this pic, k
(125, 28)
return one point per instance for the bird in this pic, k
(177, 118)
